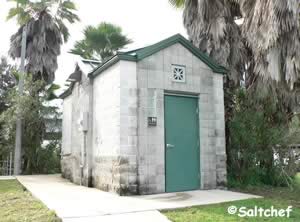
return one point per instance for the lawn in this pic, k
(280, 198)
(17, 205)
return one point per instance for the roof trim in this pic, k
(119, 56)
(76, 77)
(67, 92)
(142, 53)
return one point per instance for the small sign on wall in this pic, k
(152, 121)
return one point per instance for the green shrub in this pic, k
(259, 143)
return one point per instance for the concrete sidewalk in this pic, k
(74, 203)
(7, 178)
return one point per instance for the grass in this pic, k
(280, 198)
(17, 205)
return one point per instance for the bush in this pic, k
(259, 143)
(48, 158)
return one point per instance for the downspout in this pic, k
(83, 148)
(89, 137)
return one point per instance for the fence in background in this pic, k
(6, 166)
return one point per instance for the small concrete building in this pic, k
(147, 121)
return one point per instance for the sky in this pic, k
(145, 22)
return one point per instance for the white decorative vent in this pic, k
(178, 73)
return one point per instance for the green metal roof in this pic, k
(139, 54)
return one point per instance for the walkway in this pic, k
(74, 203)
(7, 178)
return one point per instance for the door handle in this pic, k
(170, 145)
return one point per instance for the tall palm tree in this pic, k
(272, 31)
(101, 42)
(46, 32)
(266, 45)
(211, 27)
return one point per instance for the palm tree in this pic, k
(211, 27)
(274, 38)
(100, 42)
(46, 32)
(266, 45)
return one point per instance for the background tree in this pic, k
(34, 107)
(212, 28)
(260, 142)
(270, 41)
(46, 32)
(100, 42)
(7, 82)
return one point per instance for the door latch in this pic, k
(170, 145)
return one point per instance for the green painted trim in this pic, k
(150, 50)
(111, 62)
(143, 53)
(126, 57)
(67, 92)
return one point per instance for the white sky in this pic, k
(144, 21)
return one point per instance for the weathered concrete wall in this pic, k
(67, 170)
(106, 130)
(154, 78)
(73, 138)
(212, 132)
(128, 127)
(115, 129)
(66, 126)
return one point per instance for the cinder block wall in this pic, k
(106, 130)
(73, 140)
(154, 78)
(115, 129)
(128, 128)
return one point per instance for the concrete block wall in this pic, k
(154, 76)
(128, 128)
(220, 131)
(115, 129)
(106, 130)
(74, 107)
(66, 126)
(151, 156)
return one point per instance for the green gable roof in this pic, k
(139, 54)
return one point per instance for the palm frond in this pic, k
(63, 29)
(177, 3)
(14, 12)
(212, 28)
(274, 38)
(101, 41)
(45, 34)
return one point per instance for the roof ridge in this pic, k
(144, 52)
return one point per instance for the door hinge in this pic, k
(197, 110)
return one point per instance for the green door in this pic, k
(182, 143)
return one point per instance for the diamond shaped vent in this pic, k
(178, 73)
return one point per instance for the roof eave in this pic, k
(119, 56)
(66, 93)
(150, 50)
(180, 39)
